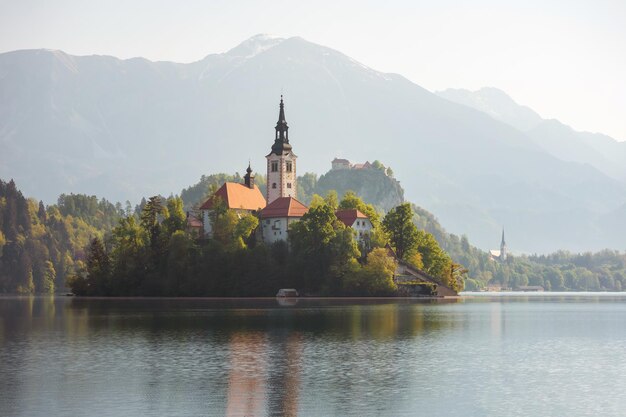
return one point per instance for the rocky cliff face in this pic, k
(372, 185)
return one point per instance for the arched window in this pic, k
(274, 185)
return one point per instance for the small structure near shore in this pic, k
(529, 288)
(287, 292)
(413, 282)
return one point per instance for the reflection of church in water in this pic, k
(264, 374)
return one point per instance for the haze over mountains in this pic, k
(123, 129)
(601, 151)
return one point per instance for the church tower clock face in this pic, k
(281, 162)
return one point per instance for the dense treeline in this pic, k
(153, 255)
(561, 271)
(41, 246)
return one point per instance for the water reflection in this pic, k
(112, 357)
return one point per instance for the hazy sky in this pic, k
(564, 58)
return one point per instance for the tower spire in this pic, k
(503, 249)
(281, 114)
(281, 141)
(248, 179)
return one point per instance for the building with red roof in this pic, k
(243, 198)
(356, 220)
(194, 225)
(278, 215)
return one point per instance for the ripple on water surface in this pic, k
(479, 356)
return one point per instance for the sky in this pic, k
(566, 59)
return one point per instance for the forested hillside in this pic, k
(603, 271)
(41, 246)
(375, 185)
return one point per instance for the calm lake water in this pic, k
(533, 355)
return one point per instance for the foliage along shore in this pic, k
(153, 255)
(42, 247)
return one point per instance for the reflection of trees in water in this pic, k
(247, 356)
(285, 373)
(24, 322)
(341, 318)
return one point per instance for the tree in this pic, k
(41, 213)
(306, 186)
(244, 228)
(314, 230)
(150, 217)
(352, 201)
(49, 278)
(3, 242)
(180, 249)
(312, 255)
(398, 224)
(332, 200)
(316, 200)
(176, 217)
(375, 278)
(98, 269)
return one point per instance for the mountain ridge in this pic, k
(131, 128)
(560, 140)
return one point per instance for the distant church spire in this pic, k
(281, 141)
(503, 253)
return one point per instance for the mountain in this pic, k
(130, 128)
(497, 104)
(600, 151)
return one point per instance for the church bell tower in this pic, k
(281, 162)
(503, 248)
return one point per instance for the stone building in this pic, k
(243, 198)
(358, 221)
(278, 215)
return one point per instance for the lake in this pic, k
(479, 355)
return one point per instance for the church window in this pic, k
(274, 185)
(274, 166)
(288, 185)
(289, 166)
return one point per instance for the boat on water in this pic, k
(287, 292)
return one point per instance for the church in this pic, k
(281, 208)
(499, 255)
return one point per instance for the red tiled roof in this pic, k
(349, 216)
(192, 221)
(365, 165)
(237, 196)
(284, 207)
